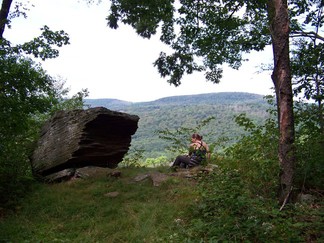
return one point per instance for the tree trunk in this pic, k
(281, 77)
(4, 12)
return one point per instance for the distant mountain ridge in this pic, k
(220, 98)
(187, 111)
(208, 98)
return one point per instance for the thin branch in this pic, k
(286, 198)
(236, 8)
(310, 34)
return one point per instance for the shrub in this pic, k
(228, 211)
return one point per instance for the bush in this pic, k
(228, 211)
(309, 147)
(255, 156)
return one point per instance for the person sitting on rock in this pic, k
(198, 153)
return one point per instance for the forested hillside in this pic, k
(188, 111)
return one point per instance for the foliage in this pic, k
(28, 96)
(133, 158)
(255, 154)
(24, 88)
(308, 55)
(61, 100)
(179, 139)
(309, 76)
(238, 200)
(309, 145)
(157, 162)
(42, 46)
(231, 211)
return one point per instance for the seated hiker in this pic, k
(198, 152)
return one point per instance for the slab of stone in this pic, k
(79, 138)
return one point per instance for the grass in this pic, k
(103, 208)
(81, 210)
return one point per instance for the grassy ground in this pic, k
(100, 209)
(131, 208)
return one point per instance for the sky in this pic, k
(118, 63)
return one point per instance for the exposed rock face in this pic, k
(78, 138)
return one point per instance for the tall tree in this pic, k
(281, 77)
(204, 34)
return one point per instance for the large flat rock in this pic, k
(79, 138)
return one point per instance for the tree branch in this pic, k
(286, 198)
(310, 34)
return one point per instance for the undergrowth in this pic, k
(229, 211)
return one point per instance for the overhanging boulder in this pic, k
(79, 138)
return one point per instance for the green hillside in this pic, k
(187, 111)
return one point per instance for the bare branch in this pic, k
(286, 198)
